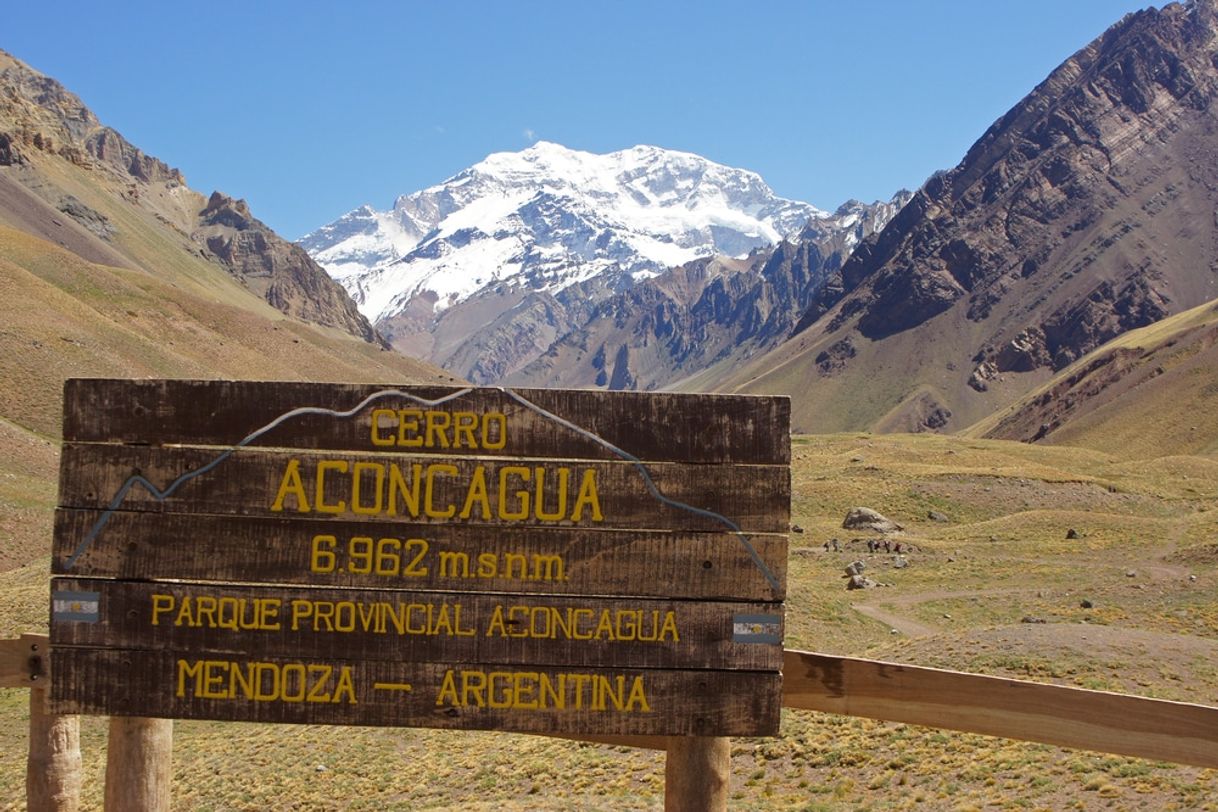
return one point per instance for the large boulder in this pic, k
(862, 518)
(859, 582)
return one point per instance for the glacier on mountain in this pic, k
(547, 218)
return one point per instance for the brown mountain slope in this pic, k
(1148, 393)
(1086, 211)
(67, 178)
(61, 316)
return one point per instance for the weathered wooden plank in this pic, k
(428, 489)
(561, 560)
(215, 619)
(24, 661)
(651, 426)
(996, 706)
(528, 699)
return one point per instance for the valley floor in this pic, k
(993, 586)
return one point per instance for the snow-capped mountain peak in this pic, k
(548, 217)
(523, 256)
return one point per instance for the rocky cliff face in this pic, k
(279, 271)
(41, 122)
(1085, 211)
(38, 113)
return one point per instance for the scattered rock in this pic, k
(321, 768)
(1072, 533)
(900, 562)
(1086, 604)
(834, 359)
(1032, 619)
(859, 582)
(981, 376)
(936, 516)
(855, 568)
(950, 560)
(91, 219)
(9, 154)
(946, 616)
(1131, 574)
(1024, 353)
(862, 518)
(796, 529)
(856, 459)
(893, 631)
(1192, 577)
(937, 417)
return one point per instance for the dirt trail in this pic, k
(915, 628)
(904, 625)
(1160, 567)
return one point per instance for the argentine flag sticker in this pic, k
(756, 629)
(79, 606)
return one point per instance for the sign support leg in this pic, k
(53, 767)
(139, 764)
(697, 772)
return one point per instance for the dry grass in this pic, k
(1009, 507)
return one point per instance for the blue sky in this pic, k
(309, 109)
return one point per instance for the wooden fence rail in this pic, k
(1014, 709)
(996, 706)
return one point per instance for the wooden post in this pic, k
(139, 764)
(53, 768)
(697, 772)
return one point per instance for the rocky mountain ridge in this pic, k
(706, 314)
(1086, 211)
(41, 122)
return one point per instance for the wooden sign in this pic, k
(534, 560)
